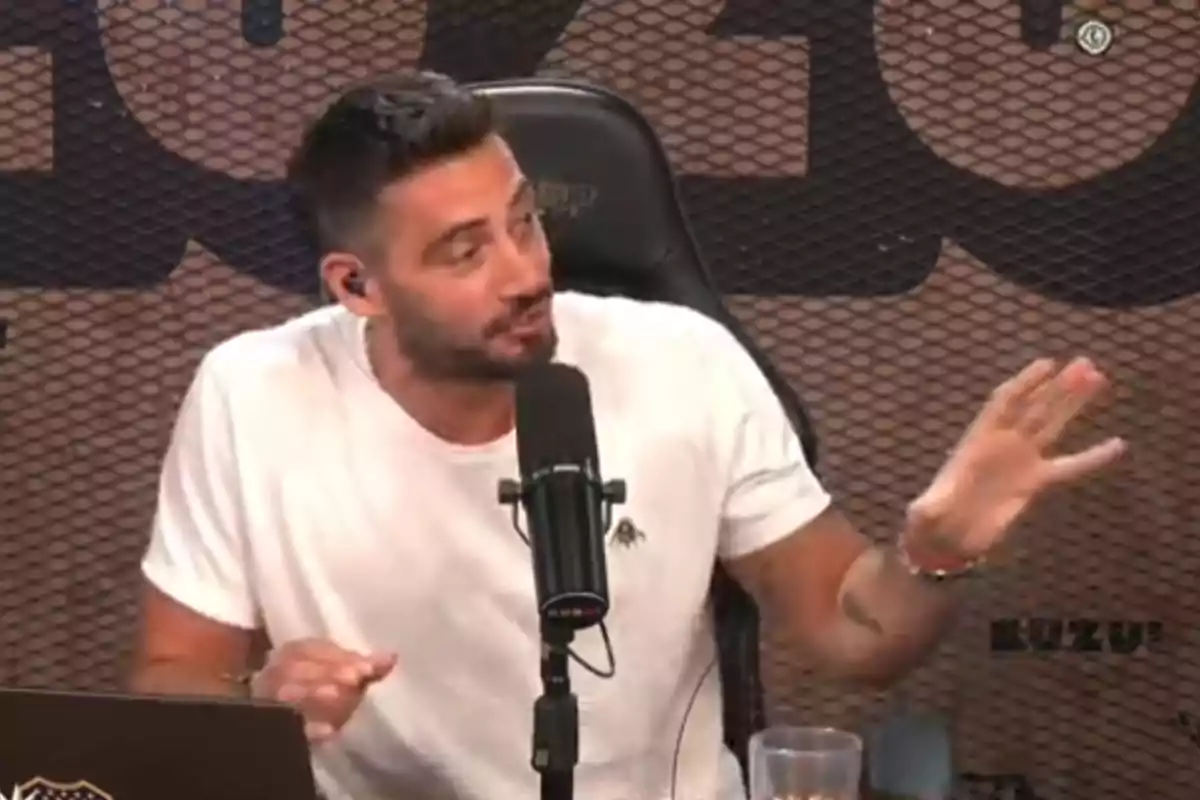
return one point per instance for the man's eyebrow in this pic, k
(523, 191)
(454, 231)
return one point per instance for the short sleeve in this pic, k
(770, 489)
(197, 545)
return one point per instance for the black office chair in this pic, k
(616, 226)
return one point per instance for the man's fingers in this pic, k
(313, 650)
(1049, 421)
(318, 651)
(326, 681)
(323, 681)
(351, 675)
(381, 666)
(1010, 397)
(319, 731)
(362, 670)
(291, 693)
(1052, 407)
(1065, 469)
(302, 671)
(328, 692)
(300, 692)
(306, 658)
(325, 703)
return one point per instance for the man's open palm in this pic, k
(1006, 458)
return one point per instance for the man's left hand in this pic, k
(1005, 459)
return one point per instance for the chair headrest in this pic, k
(611, 209)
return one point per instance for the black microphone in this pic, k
(567, 508)
(566, 504)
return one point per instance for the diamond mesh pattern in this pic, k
(906, 200)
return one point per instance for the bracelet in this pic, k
(935, 574)
(243, 680)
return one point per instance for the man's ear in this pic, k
(349, 283)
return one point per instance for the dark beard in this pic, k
(444, 361)
(436, 356)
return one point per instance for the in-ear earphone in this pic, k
(353, 284)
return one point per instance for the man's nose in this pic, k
(524, 271)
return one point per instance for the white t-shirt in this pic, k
(297, 495)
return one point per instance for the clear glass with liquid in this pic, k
(801, 763)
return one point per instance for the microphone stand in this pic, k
(556, 716)
(556, 712)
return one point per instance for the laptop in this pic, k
(58, 745)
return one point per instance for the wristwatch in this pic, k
(950, 568)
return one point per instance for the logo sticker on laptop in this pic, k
(42, 789)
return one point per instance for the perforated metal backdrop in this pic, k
(906, 200)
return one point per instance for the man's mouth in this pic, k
(532, 321)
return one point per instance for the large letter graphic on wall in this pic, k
(849, 227)
(1092, 191)
(886, 181)
(26, 127)
(707, 97)
(479, 40)
(990, 105)
(188, 75)
(169, 125)
(26, 110)
(236, 109)
(812, 159)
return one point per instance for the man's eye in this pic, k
(465, 253)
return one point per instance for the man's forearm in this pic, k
(888, 619)
(180, 678)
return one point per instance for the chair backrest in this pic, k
(617, 226)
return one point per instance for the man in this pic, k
(332, 481)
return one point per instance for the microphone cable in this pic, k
(687, 712)
(608, 648)
(612, 667)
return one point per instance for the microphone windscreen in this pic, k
(554, 419)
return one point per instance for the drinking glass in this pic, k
(800, 763)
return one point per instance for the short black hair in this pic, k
(372, 135)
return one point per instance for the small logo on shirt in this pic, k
(626, 534)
